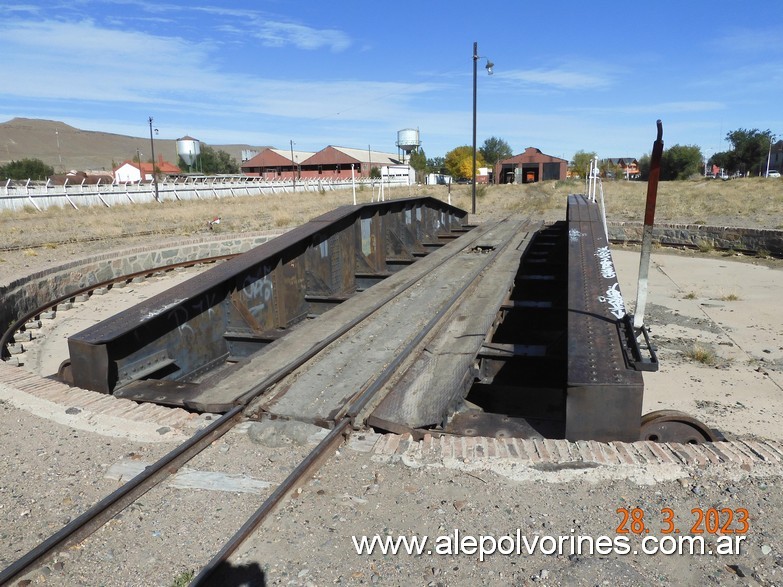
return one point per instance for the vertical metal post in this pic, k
(475, 60)
(353, 184)
(152, 150)
(769, 153)
(293, 167)
(649, 220)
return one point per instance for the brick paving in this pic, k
(734, 453)
(433, 448)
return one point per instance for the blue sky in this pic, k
(569, 76)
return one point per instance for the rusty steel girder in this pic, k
(603, 391)
(165, 344)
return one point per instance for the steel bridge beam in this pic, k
(234, 309)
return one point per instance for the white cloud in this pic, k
(80, 61)
(655, 109)
(557, 78)
(746, 41)
(281, 34)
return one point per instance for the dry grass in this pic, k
(701, 354)
(751, 202)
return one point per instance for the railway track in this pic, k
(345, 420)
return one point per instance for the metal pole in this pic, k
(293, 166)
(353, 184)
(769, 153)
(649, 219)
(152, 149)
(475, 60)
(60, 157)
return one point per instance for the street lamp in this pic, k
(769, 153)
(293, 167)
(59, 155)
(489, 67)
(152, 150)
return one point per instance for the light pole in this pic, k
(152, 150)
(59, 155)
(293, 166)
(769, 153)
(489, 67)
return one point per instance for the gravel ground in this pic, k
(173, 528)
(51, 475)
(309, 542)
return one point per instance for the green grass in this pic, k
(183, 579)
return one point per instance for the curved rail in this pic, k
(16, 326)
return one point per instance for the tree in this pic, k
(494, 150)
(436, 165)
(749, 153)
(582, 162)
(644, 167)
(26, 169)
(216, 161)
(610, 170)
(418, 160)
(459, 162)
(681, 162)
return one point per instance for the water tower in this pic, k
(189, 149)
(408, 140)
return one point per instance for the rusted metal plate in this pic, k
(159, 391)
(604, 396)
(489, 425)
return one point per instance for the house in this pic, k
(275, 163)
(74, 177)
(329, 163)
(628, 165)
(529, 167)
(133, 172)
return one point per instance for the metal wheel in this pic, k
(64, 372)
(675, 426)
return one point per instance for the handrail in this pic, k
(77, 195)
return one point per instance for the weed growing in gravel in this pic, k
(732, 297)
(183, 579)
(689, 296)
(701, 354)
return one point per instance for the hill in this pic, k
(65, 147)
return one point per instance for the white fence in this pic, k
(19, 195)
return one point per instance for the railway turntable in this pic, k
(402, 316)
